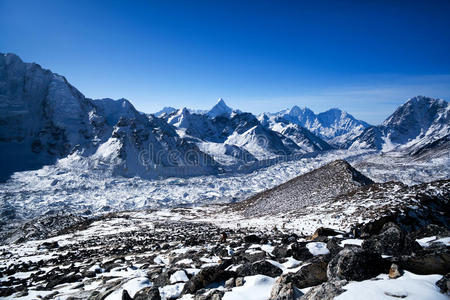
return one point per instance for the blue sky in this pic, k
(366, 57)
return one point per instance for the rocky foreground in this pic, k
(165, 255)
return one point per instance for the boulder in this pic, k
(205, 277)
(300, 252)
(126, 296)
(311, 274)
(430, 230)
(333, 246)
(262, 267)
(356, 264)
(281, 251)
(148, 293)
(432, 260)
(283, 290)
(252, 256)
(392, 240)
(252, 239)
(326, 291)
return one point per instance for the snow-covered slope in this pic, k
(415, 124)
(220, 109)
(44, 118)
(334, 126)
(241, 130)
(165, 111)
(302, 137)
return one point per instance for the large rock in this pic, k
(392, 240)
(433, 260)
(326, 291)
(260, 267)
(428, 231)
(283, 290)
(148, 293)
(312, 274)
(356, 264)
(205, 277)
(252, 239)
(300, 252)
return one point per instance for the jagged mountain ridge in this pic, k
(415, 124)
(244, 132)
(333, 126)
(44, 118)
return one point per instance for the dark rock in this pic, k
(148, 293)
(430, 230)
(205, 277)
(444, 284)
(392, 240)
(252, 239)
(57, 279)
(281, 251)
(163, 278)
(373, 227)
(49, 245)
(5, 292)
(300, 252)
(326, 291)
(333, 246)
(253, 256)
(356, 264)
(126, 296)
(288, 239)
(310, 275)
(432, 260)
(260, 267)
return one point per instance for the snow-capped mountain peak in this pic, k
(167, 110)
(220, 109)
(334, 126)
(418, 122)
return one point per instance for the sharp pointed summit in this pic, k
(220, 109)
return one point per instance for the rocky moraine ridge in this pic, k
(390, 241)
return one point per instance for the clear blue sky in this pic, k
(366, 58)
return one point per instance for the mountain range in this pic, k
(44, 118)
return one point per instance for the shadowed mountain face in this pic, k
(310, 189)
(415, 124)
(44, 118)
